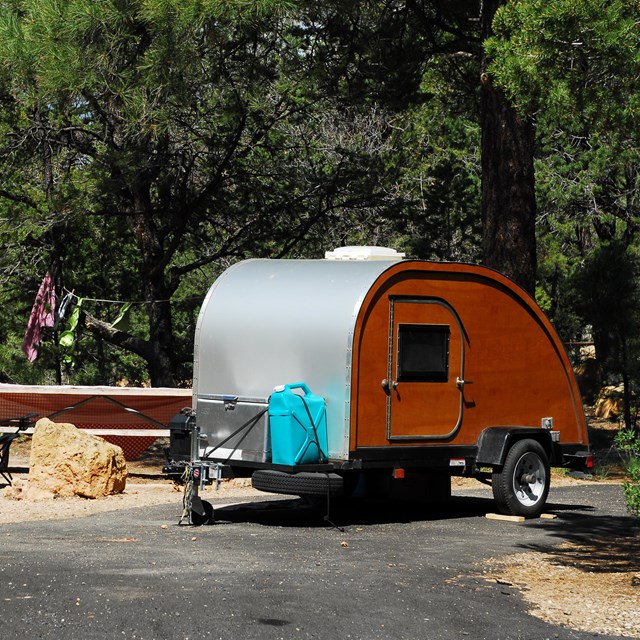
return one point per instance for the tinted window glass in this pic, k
(423, 352)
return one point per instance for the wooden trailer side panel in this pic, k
(442, 351)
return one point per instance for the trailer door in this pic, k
(426, 370)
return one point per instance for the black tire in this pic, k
(298, 484)
(202, 516)
(522, 486)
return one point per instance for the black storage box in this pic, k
(180, 437)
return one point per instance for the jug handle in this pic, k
(299, 385)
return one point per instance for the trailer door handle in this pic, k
(460, 383)
(387, 386)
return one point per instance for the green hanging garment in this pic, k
(123, 321)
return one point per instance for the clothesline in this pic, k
(44, 315)
(105, 300)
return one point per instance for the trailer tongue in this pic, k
(365, 373)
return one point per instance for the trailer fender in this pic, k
(495, 442)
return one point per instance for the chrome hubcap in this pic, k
(529, 479)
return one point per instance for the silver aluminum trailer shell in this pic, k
(265, 323)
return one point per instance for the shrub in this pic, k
(628, 444)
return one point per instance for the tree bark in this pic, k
(161, 354)
(508, 189)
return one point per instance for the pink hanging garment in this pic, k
(42, 315)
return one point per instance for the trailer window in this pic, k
(423, 352)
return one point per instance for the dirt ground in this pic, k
(146, 486)
(607, 571)
(593, 587)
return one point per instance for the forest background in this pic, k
(146, 145)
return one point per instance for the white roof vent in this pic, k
(363, 253)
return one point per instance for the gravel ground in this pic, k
(146, 486)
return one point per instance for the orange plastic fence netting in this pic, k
(98, 407)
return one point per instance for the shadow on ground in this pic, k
(297, 512)
(599, 543)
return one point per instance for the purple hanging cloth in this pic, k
(42, 315)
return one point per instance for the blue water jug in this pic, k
(298, 426)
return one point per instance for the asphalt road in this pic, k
(270, 569)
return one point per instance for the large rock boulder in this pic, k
(68, 462)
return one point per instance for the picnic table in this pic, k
(21, 424)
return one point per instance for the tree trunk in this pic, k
(626, 384)
(162, 361)
(159, 350)
(508, 195)
(160, 353)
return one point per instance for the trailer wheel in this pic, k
(522, 486)
(298, 484)
(203, 514)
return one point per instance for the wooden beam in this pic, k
(501, 516)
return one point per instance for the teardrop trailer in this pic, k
(342, 376)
